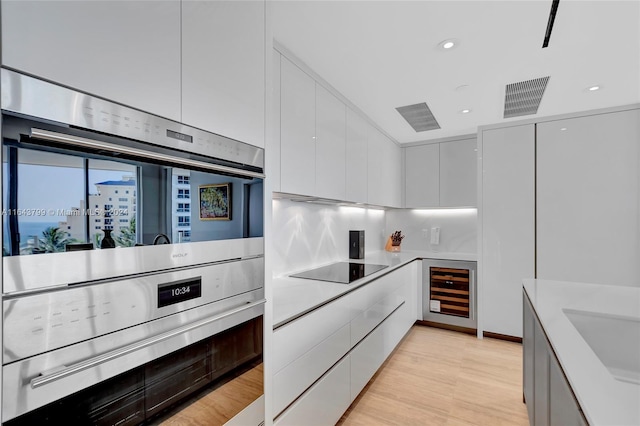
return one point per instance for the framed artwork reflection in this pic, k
(215, 201)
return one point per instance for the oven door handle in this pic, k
(89, 143)
(109, 356)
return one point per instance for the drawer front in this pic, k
(324, 403)
(296, 377)
(369, 319)
(366, 358)
(293, 340)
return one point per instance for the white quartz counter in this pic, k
(293, 297)
(603, 399)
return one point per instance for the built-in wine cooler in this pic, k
(449, 292)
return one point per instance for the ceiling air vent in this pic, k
(419, 116)
(523, 98)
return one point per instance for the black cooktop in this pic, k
(341, 272)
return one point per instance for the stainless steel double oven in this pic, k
(132, 258)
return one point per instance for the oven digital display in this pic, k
(179, 291)
(179, 136)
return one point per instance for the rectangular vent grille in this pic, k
(419, 116)
(523, 98)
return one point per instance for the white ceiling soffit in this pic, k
(419, 117)
(523, 97)
(381, 54)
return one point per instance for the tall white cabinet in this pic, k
(560, 200)
(508, 225)
(126, 51)
(588, 199)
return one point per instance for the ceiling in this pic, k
(385, 54)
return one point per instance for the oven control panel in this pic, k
(42, 322)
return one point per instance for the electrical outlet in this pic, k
(425, 233)
(435, 236)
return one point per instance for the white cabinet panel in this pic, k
(272, 154)
(507, 225)
(458, 173)
(588, 198)
(384, 170)
(293, 340)
(223, 68)
(369, 319)
(330, 145)
(422, 176)
(297, 137)
(356, 158)
(324, 403)
(296, 377)
(366, 358)
(125, 51)
(372, 351)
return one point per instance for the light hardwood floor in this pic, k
(221, 404)
(441, 377)
(434, 377)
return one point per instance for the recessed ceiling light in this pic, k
(465, 111)
(448, 44)
(462, 87)
(594, 88)
(562, 129)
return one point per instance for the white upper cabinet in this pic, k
(508, 223)
(356, 157)
(223, 87)
(458, 173)
(328, 150)
(422, 176)
(441, 174)
(125, 51)
(588, 198)
(384, 170)
(330, 145)
(297, 132)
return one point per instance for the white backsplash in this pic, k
(306, 235)
(458, 229)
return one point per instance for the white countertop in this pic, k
(293, 297)
(603, 399)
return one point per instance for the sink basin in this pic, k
(614, 339)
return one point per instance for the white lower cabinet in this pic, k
(366, 358)
(294, 379)
(365, 325)
(324, 403)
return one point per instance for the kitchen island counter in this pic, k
(581, 319)
(294, 297)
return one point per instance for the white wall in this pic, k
(306, 235)
(458, 229)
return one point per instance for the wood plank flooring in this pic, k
(441, 377)
(221, 404)
(434, 377)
